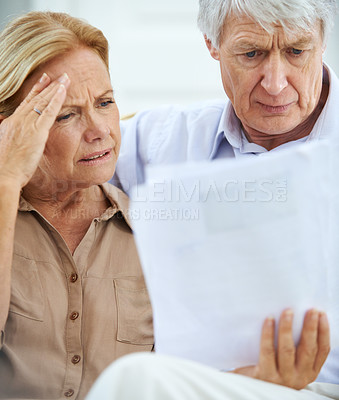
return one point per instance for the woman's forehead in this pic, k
(83, 66)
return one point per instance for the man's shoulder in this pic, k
(196, 108)
(165, 116)
(167, 135)
(202, 109)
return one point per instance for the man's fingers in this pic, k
(267, 360)
(286, 348)
(308, 345)
(323, 342)
(286, 365)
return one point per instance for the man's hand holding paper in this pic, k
(286, 364)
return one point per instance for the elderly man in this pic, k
(279, 94)
(278, 88)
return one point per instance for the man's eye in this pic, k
(64, 117)
(296, 51)
(251, 54)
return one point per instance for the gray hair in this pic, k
(290, 14)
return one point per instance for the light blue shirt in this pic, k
(208, 131)
(205, 131)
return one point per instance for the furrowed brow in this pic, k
(78, 102)
(302, 43)
(109, 92)
(244, 47)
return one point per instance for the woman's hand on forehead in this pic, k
(23, 135)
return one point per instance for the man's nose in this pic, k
(274, 78)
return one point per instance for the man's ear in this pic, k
(213, 51)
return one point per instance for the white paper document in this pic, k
(226, 244)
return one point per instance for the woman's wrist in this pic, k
(9, 188)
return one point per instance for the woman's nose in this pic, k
(96, 129)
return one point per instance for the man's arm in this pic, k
(142, 137)
(130, 165)
(168, 134)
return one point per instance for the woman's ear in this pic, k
(2, 117)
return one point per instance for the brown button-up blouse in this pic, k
(71, 316)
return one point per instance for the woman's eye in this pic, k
(106, 103)
(296, 51)
(251, 54)
(64, 117)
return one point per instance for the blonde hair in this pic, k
(32, 39)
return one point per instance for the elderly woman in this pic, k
(72, 294)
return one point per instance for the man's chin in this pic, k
(272, 129)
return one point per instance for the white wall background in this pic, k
(157, 54)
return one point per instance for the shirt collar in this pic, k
(118, 200)
(229, 127)
(328, 120)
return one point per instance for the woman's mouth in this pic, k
(96, 158)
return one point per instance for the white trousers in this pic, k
(149, 376)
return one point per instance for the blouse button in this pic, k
(76, 359)
(73, 278)
(69, 393)
(74, 315)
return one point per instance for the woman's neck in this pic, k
(70, 212)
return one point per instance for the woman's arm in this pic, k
(9, 197)
(23, 136)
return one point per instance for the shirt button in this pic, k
(74, 315)
(76, 359)
(69, 393)
(73, 278)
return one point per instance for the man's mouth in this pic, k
(275, 109)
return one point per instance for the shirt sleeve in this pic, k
(141, 138)
(168, 134)
(130, 166)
